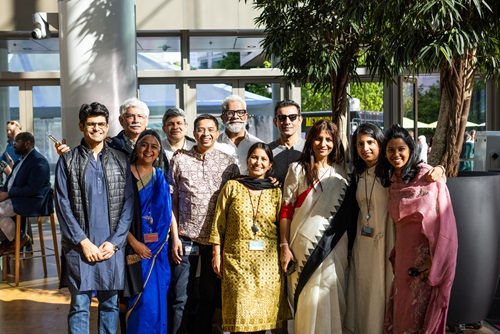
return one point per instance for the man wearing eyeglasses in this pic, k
(288, 147)
(95, 204)
(236, 140)
(175, 128)
(134, 119)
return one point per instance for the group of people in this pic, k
(261, 231)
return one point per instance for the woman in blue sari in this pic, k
(147, 310)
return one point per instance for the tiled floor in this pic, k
(38, 306)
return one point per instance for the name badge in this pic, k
(256, 245)
(150, 237)
(367, 231)
(191, 250)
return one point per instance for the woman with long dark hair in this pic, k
(425, 253)
(318, 207)
(370, 272)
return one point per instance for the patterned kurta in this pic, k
(253, 295)
(425, 226)
(196, 180)
(370, 274)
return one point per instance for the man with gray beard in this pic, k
(236, 140)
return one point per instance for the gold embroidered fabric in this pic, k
(253, 296)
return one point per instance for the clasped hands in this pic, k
(96, 254)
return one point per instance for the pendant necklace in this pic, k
(255, 211)
(149, 218)
(369, 199)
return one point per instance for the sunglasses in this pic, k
(292, 117)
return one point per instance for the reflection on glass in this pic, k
(409, 105)
(47, 120)
(159, 53)
(226, 52)
(366, 104)
(158, 97)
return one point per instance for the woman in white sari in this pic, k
(318, 208)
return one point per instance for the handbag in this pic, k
(133, 273)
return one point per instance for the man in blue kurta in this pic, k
(94, 200)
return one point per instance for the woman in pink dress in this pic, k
(425, 253)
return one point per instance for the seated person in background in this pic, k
(4, 169)
(9, 156)
(25, 190)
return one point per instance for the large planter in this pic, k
(476, 203)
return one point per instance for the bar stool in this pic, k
(47, 211)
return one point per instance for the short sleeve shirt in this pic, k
(197, 181)
(240, 152)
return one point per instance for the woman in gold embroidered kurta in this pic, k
(245, 228)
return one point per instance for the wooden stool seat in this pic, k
(17, 252)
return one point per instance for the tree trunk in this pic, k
(338, 87)
(456, 85)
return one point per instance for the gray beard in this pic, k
(235, 127)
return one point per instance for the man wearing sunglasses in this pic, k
(288, 147)
(236, 140)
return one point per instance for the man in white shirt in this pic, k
(236, 140)
(175, 128)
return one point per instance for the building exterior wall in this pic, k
(152, 15)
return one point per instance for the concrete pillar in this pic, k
(98, 59)
(4, 100)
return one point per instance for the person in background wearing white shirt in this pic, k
(175, 128)
(422, 148)
(236, 140)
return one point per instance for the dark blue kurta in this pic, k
(105, 275)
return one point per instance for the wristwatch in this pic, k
(116, 248)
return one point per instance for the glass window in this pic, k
(47, 120)
(27, 55)
(158, 53)
(366, 104)
(226, 52)
(429, 103)
(260, 107)
(209, 97)
(158, 97)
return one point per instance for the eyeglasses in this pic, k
(240, 112)
(100, 125)
(204, 130)
(292, 117)
(138, 116)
